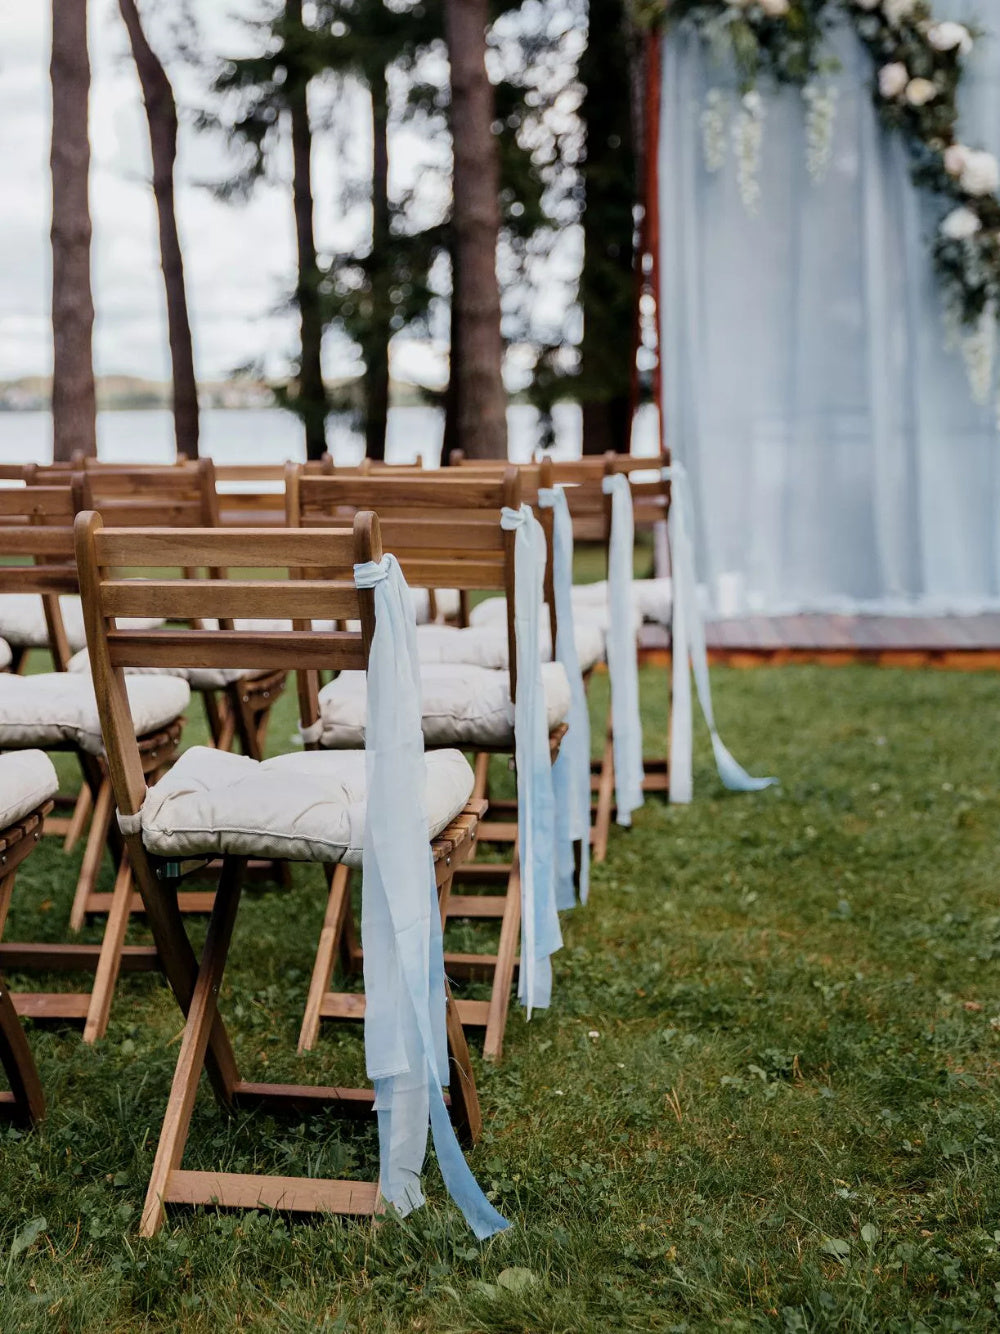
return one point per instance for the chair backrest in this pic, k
(36, 548)
(650, 494)
(180, 495)
(444, 529)
(323, 588)
(251, 493)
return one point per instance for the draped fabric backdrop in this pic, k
(838, 460)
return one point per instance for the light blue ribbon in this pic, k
(623, 661)
(688, 634)
(540, 934)
(405, 1041)
(571, 771)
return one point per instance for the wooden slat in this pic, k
(248, 548)
(184, 599)
(342, 1005)
(51, 1005)
(292, 1194)
(459, 534)
(38, 579)
(473, 1013)
(35, 539)
(339, 650)
(384, 491)
(48, 501)
(59, 958)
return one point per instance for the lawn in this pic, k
(765, 1096)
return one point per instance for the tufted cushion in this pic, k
(305, 807)
(486, 645)
(57, 708)
(27, 778)
(463, 706)
(22, 621)
(6, 657)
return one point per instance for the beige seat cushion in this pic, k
(59, 708)
(446, 601)
(463, 706)
(310, 806)
(6, 656)
(651, 601)
(486, 645)
(22, 621)
(27, 778)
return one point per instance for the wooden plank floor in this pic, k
(969, 643)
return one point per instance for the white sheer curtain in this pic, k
(837, 458)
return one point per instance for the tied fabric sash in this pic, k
(571, 771)
(689, 645)
(405, 1043)
(540, 934)
(623, 661)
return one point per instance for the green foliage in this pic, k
(765, 1097)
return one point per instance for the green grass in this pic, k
(765, 1097)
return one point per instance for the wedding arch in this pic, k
(824, 195)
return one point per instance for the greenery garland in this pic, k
(919, 65)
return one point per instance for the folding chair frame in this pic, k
(25, 1103)
(205, 1043)
(429, 546)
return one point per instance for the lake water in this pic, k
(269, 435)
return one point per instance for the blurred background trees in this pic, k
(484, 205)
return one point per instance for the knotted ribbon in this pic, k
(623, 661)
(540, 934)
(688, 634)
(571, 771)
(405, 1042)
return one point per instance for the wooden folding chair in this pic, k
(36, 524)
(27, 785)
(330, 594)
(445, 532)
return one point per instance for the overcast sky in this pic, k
(239, 259)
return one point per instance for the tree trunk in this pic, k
(74, 400)
(477, 347)
(161, 116)
(311, 403)
(380, 273)
(606, 282)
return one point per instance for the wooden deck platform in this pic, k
(963, 643)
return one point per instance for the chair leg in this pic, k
(202, 1015)
(109, 961)
(25, 1103)
(93, 852)
(326, 955)
(503, 975)
(78, 821)
(605, 795)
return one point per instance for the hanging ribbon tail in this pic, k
(623, 659)
(571, 771)
(540, 933)
(405, 1039)
(732, 773)
(689, 645)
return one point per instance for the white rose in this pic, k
(948, 36)
(981, 174)
(961, 224)
(920, 91)
(774, 9)
(898, 10)
(955, 158)
(892, 79)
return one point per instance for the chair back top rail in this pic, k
(100, 552)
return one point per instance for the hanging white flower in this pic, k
(921, 91)
(955, 158)
(961, 224)
(896, 11)
(748, 136)
(950, 37)
(893, 80)
(715, 129)
(774, 9)
(979, 350)
(821, 115)
(980, 174)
